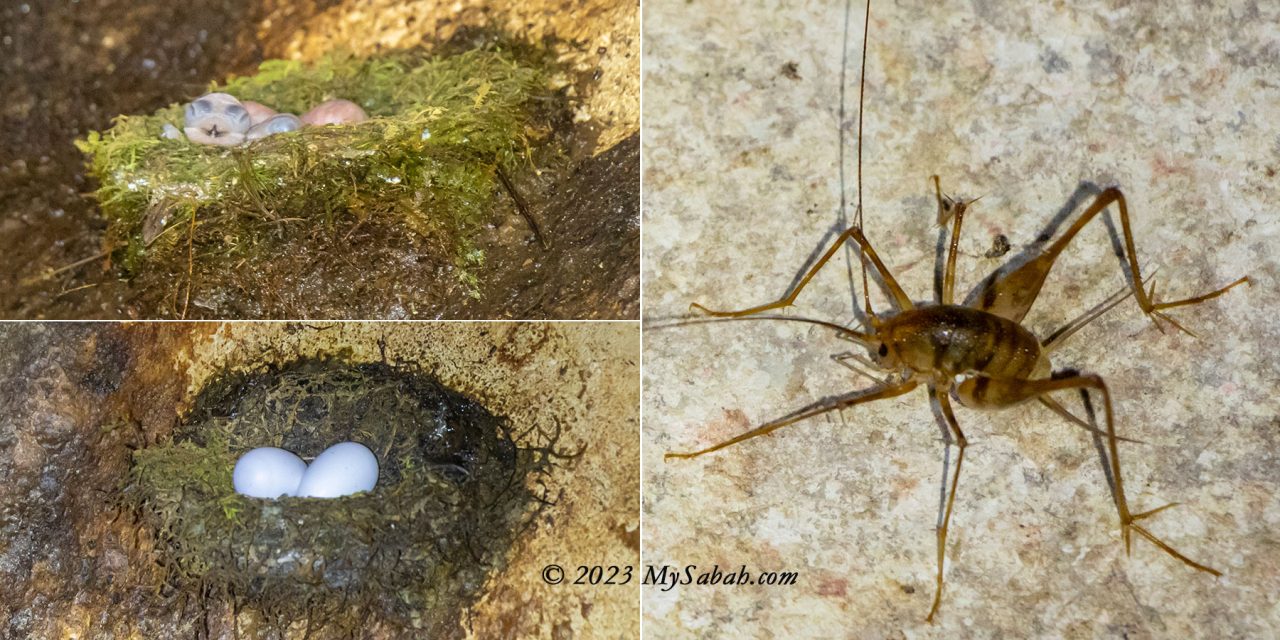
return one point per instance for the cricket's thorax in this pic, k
(944, 341)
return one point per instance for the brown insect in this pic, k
(978, 353)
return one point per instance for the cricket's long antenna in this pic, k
(842, 217)
(862, 92)
(854, 335)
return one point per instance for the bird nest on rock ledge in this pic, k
(441, 132)
(456, 487)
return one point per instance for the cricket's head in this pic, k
(881, 356)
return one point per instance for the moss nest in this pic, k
(454, 491)
(425, 163)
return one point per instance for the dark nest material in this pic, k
(455, 489)
(427, 162)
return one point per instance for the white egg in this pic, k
(341, 470)
(268, 472)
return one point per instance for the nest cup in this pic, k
(452, 495)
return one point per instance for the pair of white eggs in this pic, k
(341, 470)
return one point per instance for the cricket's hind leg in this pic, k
(981, 391)
(1011, 295)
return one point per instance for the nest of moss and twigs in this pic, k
(426, 163)
(455, 488)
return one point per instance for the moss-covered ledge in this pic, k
(426, 163)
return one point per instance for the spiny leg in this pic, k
(1011, 392)
(1011, 294)
(820, 408)
(899, 296)
(948, 208)
(1061, 334)
(961, 443)
(1062, 411)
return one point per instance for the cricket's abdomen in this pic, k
(945, 341)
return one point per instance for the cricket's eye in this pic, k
(884, 350)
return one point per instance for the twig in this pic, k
(53, 272)
(191, 262)
(524, 208)
(83, 286)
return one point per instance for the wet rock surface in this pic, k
(591, 268)
(66, 556)
(70, 68)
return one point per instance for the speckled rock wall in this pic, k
(1021, 104)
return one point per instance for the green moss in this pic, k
(453, 493)
(424, 163)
